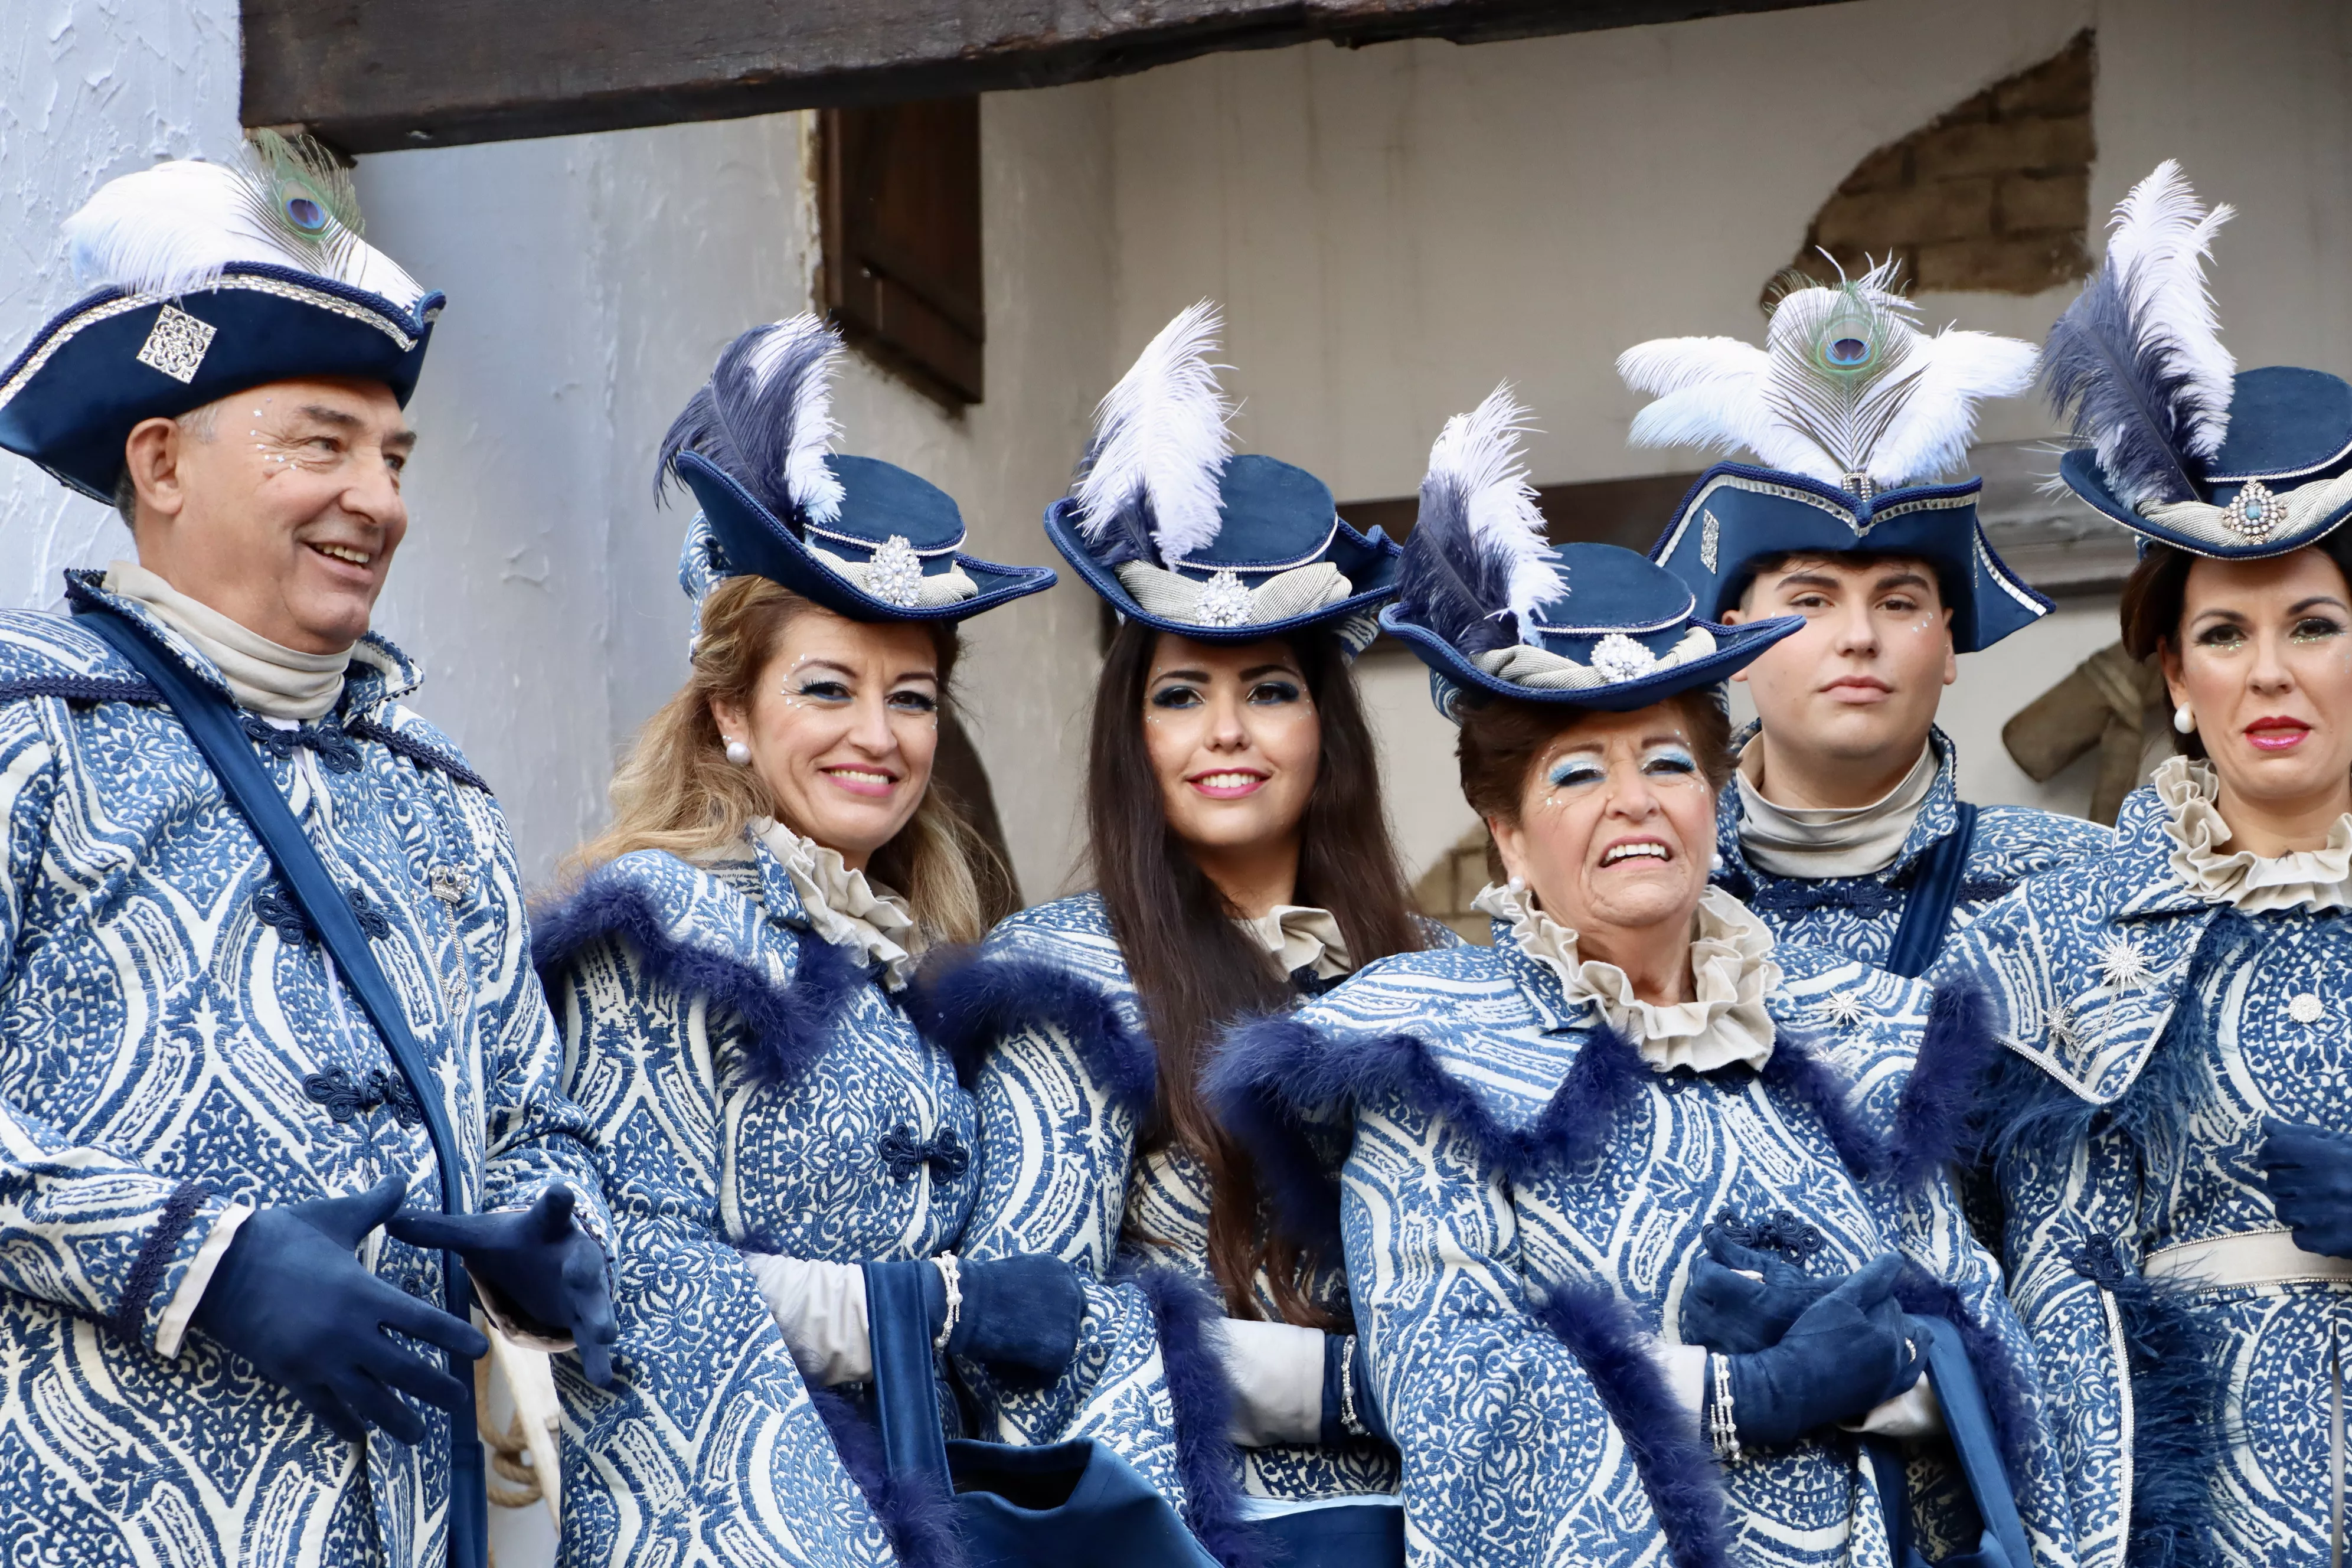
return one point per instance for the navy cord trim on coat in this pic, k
(154, 1259)
(82, 688)
(422, 753)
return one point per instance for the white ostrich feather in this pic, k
(807, 350)
(1478, 453)
(1162, 441)
(2160, 240)
(1958, 370)
(174, 229)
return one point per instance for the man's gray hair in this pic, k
(197, 424)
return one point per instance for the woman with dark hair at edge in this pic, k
(1642, 1273)
(1241, 857)
(727, 971)
(2167, 1128)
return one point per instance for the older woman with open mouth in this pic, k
(2172, 1080)
(1639, 1270)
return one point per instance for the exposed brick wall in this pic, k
(1992, 196)
(1446, 890)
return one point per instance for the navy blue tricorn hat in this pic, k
(2185, 449)
(1736, 515)
(216, 279)
(1853, 411)
(1175, 532)
(1494, 611)
(866, 539)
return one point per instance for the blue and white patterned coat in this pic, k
(2147, 1034)
(750, 1089)
(1068, 1076)
(173, 1043)
(1519, 1212)
(1857, 916)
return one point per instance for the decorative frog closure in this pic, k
(326, 737)
(903, 1153)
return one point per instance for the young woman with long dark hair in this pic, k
(1240, 857)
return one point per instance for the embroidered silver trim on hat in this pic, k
(176, 345)
(1710, 534)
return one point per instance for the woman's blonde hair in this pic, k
(677, 791)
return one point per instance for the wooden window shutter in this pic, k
(899, 204)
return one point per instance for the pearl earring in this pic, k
(739, 753)
(2184, 721)
(1714, 861)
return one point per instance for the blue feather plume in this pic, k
(2135, 364)
(766, 418)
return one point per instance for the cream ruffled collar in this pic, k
(2312, 879)
(842, 906)
(1732, 972)
(1302, 938)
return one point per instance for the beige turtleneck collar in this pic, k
(1817, 842)
(273, 681)
(2313, 880)
(843, 907)
(1732, 972)
(1302, 938)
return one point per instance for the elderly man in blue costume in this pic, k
(1642, 1274)
(1241, 859)
(2167, 1124)
(1842, 826)
(215, 1357)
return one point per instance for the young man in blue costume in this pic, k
(199, 1119)
(1843, 825)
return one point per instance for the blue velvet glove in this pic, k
(2309, 1172)
(544, 1268)
(1019, 1316)
(1728, 1311)
(1348, 1381)
(289, 1296)
(1846, 1354)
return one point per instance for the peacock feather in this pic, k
(295, 191)
(1842, 366)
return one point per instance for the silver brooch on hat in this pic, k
(1224, 601)
(1619, 658)
(2254, 512)
(894, 575)
(176, 345)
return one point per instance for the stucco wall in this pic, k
(89, 90)
(593, 282)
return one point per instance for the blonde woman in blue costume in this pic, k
(1643, 1271)
(2166, 1125)
(1241, 859)
(728, 975)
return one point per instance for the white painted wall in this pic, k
(1393, 230)
(89, 90)
(592, 282)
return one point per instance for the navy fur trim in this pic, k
(1797, 1072)
(920, 1524)
(1287, 1063)
(2177, 1427)
(790, 1027)
(964, 1002)
(82, 688)
(155, 1260)
(2009, 1396)
(1956, 1055)
(422, 753)
(1202, 1399)
(1676, 1470)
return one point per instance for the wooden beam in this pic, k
(376, 75)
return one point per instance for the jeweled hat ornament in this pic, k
(2185, 449)
(1494, 610)
(864, 538)
(1849, 410)
(1176, 532)
(212, 278)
